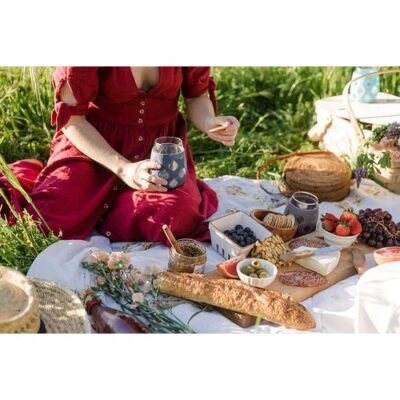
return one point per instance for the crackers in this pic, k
(270, 249)
(280, 221)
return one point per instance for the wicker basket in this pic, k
(285, 233)
(321, 173)
(387, 177)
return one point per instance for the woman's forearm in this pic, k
(200, 111)
(87, 139)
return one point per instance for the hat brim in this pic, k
(60, 309)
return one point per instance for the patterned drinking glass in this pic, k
(304, 206)
(170, 153)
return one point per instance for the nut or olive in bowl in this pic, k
(256, 272)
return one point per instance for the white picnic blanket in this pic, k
(334, 309)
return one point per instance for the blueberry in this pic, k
(240, 232)
(248, 240)
(237, 227)
(242, 243)
(227, 232)
(235, 237)
(248, 230)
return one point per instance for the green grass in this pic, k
(275, 106)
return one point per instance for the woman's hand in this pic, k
(138, 176)
(225, 136)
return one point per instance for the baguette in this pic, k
(234, 295)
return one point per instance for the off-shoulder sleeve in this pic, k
(83, 82)
(197, 81)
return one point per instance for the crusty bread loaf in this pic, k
(234, 295)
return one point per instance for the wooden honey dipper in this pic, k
(171, 238)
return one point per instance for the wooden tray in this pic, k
(344, 270)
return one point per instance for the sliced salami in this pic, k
(315, 243)
(302, 278)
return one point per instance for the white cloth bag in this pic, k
(377, 300)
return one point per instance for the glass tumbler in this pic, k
(304, 207)
(170, 153)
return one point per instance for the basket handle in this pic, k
(346, 99)
(284, 157)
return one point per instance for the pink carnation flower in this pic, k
(118, 259)
(388, 144)
(137, 299)
(395, 156)
(97, 256)
(376, 146)
(152, 270)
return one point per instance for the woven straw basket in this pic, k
(321, 173)
(387, 177)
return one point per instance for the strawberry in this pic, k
(348, 215)
(330, 217)
(329, 225)
(342, 229)
(355, 227)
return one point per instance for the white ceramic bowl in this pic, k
(257, 282)
(336, 240)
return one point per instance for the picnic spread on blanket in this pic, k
(335, 297)
(316, 251)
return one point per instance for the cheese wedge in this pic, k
(323, 264)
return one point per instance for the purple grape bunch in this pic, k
(379, 229)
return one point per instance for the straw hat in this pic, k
(32, 305)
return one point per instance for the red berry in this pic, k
(330, 217)
(342, 229)
(355, 227)
(329, 225)
(348, 215)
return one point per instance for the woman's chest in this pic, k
(124, 84)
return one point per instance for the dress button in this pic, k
(140, 138)
(142, 103)
(108, 233)
(141, 111)
(140, 120)
(136, 157)
(106, 205)
(115, 188)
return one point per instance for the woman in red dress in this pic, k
(99, 173)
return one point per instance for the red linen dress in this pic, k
(76, 195)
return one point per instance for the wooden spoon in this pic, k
(171, 238)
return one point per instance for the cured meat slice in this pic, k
(315, 243)
(302, 278)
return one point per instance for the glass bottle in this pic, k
(107, 320)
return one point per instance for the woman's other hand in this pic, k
(226, 136)
(138, 176)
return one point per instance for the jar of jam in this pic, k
(193, 261)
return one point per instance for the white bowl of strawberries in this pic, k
(340, 231)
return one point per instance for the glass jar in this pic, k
(304, 207)
(170, 153)
(193, 261)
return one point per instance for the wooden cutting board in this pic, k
(344, 270)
